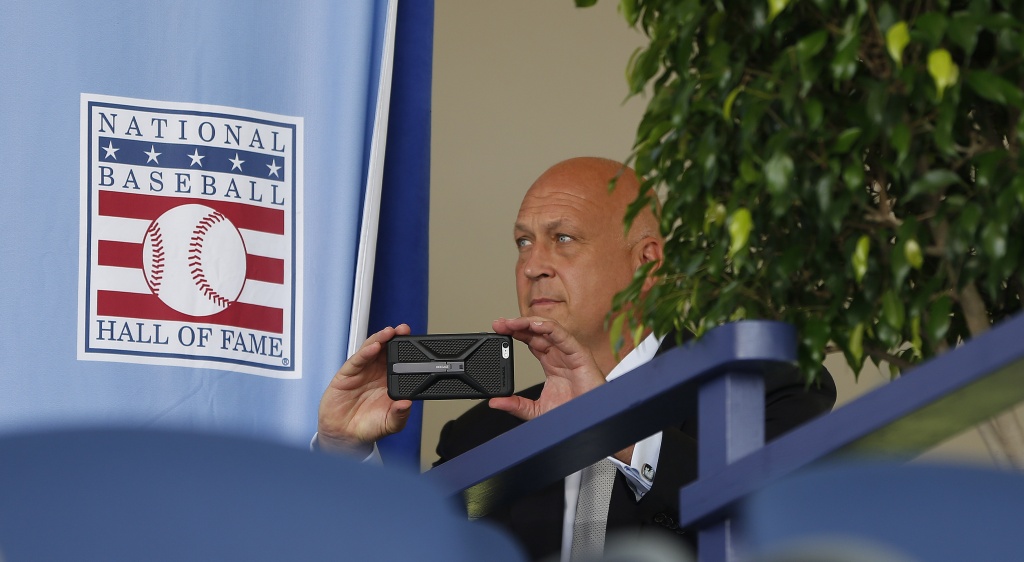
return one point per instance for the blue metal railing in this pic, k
(724, 373)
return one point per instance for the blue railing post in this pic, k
(730, 414)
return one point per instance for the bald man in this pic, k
(574, 256)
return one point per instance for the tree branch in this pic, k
(882, 355)
(974, 309)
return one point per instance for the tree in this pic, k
(851, 167)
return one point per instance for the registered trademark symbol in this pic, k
(284, 361)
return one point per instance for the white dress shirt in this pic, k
(640, 471)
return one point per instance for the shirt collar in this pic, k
(641, 354)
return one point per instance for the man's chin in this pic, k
(554, 312)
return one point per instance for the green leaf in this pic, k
(912, 251)
(892, 309)
(844, 64)
(853, 175)
(615, 331)
(729, 100)
(878, 99)
(915, 337)
(1017, 188)
(629, 10)
(815, 336)
(931, 26)
(900, 139)
(815, 113)
(897, 39)
(993, 239)
(942, 70)
(638, 333)
(938, 318)
(963, 30)
(823, 190)
(859, 260)
(889, 336)
(714, 28)
(778, 172)
(775, 7)
(969, 219)
(585, 3)
(715, 214)
(749, 173)
(811, 45)
(856, 344)
(898, 263)
(990, 169)
(943, 132)
(740, 225)
(995, 88)
(844, 142)
(886, 16)
(932, 182)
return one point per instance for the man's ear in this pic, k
(648, 250)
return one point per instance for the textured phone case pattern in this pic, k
(487, 372)
(448, 349)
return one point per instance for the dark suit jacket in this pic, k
(536, 519)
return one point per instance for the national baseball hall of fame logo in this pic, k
(191, 247)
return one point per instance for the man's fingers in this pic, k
(500, 327)
(518, 406)
(384, 335)
(371, 349)
(361, 359)
(380, 336)
(398, 415)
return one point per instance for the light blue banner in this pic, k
(183, 186)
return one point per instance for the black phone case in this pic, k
(449, 366)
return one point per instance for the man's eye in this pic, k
(522, 242)
(564, 238)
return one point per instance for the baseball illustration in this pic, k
(194, 260)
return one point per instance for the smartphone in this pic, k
(449, 366)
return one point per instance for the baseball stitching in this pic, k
(196, 259)
(156, 270)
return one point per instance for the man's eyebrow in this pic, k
(548, 226)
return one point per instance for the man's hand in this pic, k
(569, 368)
(355, 410)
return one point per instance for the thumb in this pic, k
(398, 415)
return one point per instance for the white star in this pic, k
(152, 154)
(196, 159)
(236, 162)
(273, 168)
(110, 150)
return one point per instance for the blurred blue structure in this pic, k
(127, 495)
(914, 512)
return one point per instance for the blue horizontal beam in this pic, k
(659, 394)
(925, 406)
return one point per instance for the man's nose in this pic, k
(537, 263)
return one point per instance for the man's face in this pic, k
(573, 256)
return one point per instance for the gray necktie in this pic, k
(592, 510)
